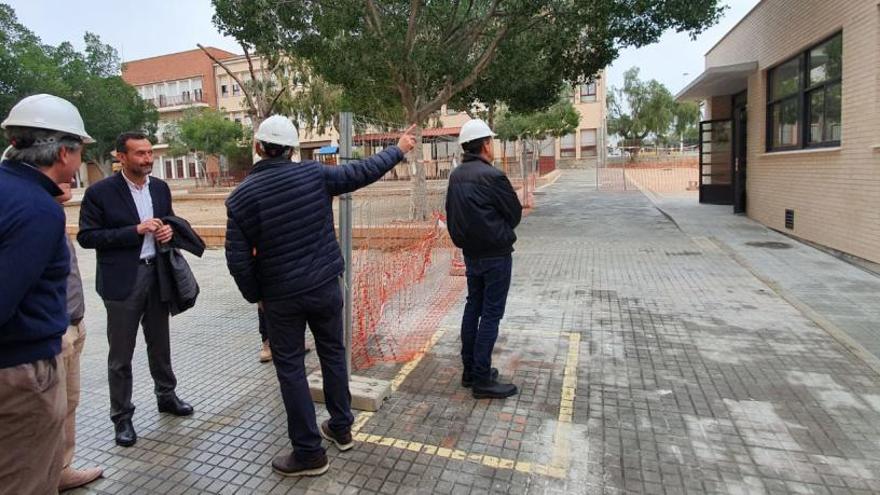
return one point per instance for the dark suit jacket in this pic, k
(108, 220)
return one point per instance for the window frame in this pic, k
(802, 96)
(585, 95)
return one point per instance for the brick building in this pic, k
(792, 136)
(175, 83)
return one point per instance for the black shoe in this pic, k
(125, 434)
(493, 390)
(467, 380)
(287, 465)
(342, 441)
(173, 405)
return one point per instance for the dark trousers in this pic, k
(264, 335)
(286, 322)
(142, 307)
(488, 280)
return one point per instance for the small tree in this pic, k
(203, 133)
(638, 110)
(532, 128)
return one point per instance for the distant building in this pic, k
(174, 83)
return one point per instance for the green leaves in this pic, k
(643, 109)
(90, 80)
(206, 131)
(417, 56)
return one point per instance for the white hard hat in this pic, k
(474, 129)
(48, 112)
(278, 129)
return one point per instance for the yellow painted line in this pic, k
(561, 448)
(561, 460)
(461, 455)
(410, 366)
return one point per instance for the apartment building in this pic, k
(175, 83)
(231, 100)
(792, 136)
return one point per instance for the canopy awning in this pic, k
(719, 81)
(327, 150)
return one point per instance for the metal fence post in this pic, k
(346, 132)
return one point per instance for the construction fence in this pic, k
(405, 272)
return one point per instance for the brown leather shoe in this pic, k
(75, 478)
(288, 465)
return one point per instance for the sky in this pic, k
(145, 29)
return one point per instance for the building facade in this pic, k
(792, 136)
(175, 83)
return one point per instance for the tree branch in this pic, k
(275, 100)
(411, 27)
(233, 76)
(376, 20)
(449, 90)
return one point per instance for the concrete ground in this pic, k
(650, 359)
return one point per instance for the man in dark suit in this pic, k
(120, 217)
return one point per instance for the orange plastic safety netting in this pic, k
(406, 272)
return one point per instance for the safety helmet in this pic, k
(474, 129)
(278, 129)
(48, 112)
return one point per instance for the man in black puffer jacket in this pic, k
(281, 249)
(482, 210)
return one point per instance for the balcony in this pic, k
(180, 102)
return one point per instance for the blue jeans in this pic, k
(488, 280)
(286, 324)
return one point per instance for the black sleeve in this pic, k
(93, 235)
(506, 200)
(240, 260)
(341, 179)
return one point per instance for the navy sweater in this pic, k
(34, 264)
(284, 210)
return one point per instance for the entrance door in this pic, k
(715, 162)
(740, 124)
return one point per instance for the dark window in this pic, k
(192, 169)
(235, 90)
(588, 92)
(197, 95)
(168, 169)
(179, 166)
(224, 90)
(803, 98)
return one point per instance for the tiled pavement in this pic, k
(649, 361)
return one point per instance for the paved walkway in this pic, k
(649, 361)
(839, 296)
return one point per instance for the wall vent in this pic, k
(789, 219)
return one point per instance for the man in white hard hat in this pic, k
(284, 211)
(482, 210)
(120, 218)
(47, 137)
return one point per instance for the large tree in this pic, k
(89, 79)
(418, 55)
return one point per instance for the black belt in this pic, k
(148, 261)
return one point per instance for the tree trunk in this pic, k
(419, 199)
(106, 167)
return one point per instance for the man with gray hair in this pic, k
(47, 137)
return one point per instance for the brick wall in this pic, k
(835, 193)
(175, 66)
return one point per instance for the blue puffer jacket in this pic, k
(284, 211)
